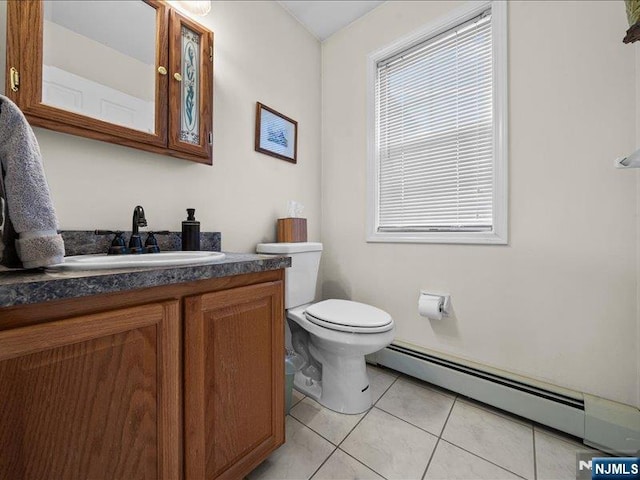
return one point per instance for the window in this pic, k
(437, 166)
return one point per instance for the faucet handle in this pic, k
(118, 245)
(151, 244)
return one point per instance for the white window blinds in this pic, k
(434, 133)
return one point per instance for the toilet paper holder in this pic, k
(445, 304)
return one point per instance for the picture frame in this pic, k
(276, 134)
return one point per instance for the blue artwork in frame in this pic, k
(276, 134)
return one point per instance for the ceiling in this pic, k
(324, 18)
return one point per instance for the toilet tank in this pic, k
(301, 278)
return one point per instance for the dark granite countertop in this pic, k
(35, 286)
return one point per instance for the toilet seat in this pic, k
(348, 316)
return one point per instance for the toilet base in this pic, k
(344, 387)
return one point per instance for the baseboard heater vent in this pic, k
(507, 382)
(547, 407)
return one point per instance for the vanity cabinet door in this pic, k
(234, 380)
(94, 396)
(190, 86)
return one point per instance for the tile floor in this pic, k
(416, 431)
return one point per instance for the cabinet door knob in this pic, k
(162, 70)
(177, 76)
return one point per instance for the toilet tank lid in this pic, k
(297, 247)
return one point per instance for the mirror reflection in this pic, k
(99, 60)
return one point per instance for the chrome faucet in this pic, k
(135, 242)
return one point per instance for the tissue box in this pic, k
(292, 230)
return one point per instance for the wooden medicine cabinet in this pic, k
(134, 73)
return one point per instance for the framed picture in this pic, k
(276, 135)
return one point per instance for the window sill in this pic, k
(478, 238)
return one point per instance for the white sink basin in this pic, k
(162, 259)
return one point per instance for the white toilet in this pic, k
(332, 336)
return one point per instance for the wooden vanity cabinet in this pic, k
(181, 381)
(93, 396)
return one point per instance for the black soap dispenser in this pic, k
(191, 232)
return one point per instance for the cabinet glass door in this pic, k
(191, 58)
(91, 68)
(99, 60)
(190, 91)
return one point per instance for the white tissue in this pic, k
(295, 209)
(433, 306)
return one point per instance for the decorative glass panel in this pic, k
(189, 105)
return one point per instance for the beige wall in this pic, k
(559, 302)
(261, 54)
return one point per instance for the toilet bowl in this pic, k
(332, 336)
(343, 383)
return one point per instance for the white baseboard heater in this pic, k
(601, 423)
